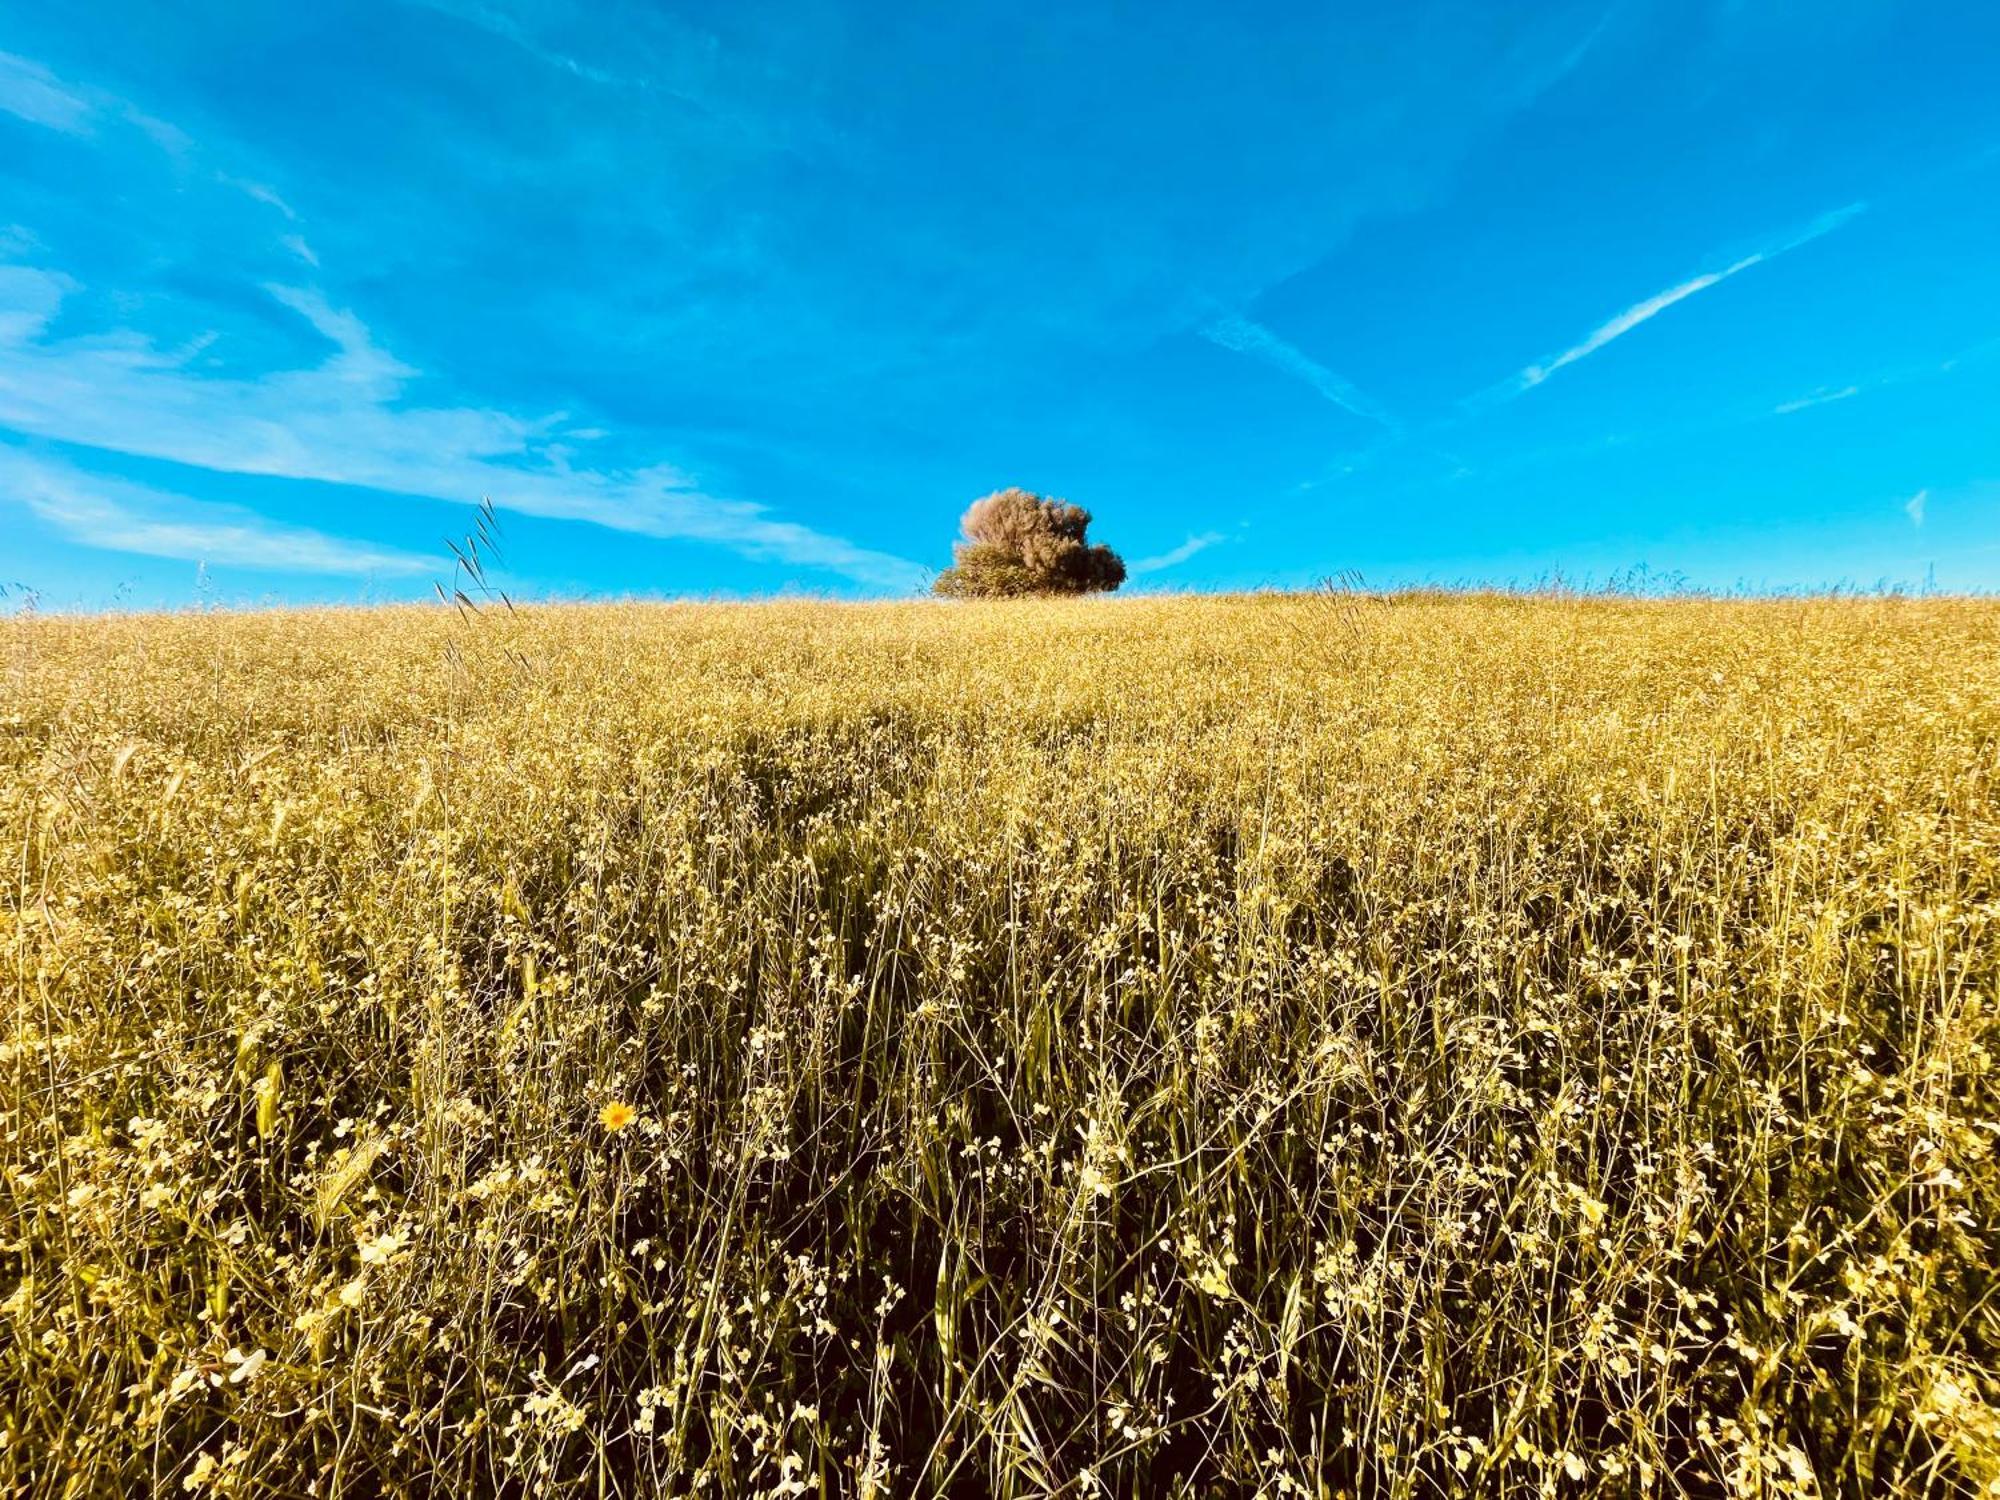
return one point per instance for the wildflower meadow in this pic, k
(1340, 1045)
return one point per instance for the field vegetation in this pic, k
(1283, 1046)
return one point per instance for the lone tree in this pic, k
(1017, 543)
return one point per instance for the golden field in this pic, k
(1284, 1046)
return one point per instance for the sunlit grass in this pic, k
(1278, 1046)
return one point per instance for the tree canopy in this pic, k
(1018, 543)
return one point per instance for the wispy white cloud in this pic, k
(32, 93)
(357, 364)
(1245, 337)
(1915, 506)
(1817, 398)
(1178, 555)
(115, 515)
(345, 421)
(29, 298)
(497, 22)
(169, 138)
(1533, 70)
(260, 192)
(1659, 302)
(1631, 318)
(1979, 353)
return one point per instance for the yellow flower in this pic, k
(616, 1115)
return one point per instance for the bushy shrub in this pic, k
(1017, 543)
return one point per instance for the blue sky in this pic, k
(725, 299)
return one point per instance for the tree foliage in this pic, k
(1018, 543)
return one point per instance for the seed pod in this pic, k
(269, 1087)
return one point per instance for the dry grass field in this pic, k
(1283, 1046)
